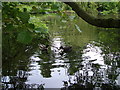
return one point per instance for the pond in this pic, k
(89, 58)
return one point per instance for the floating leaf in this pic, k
(24, 37)
(41, 30)
(64, 21)
(71, 17)
(77, 27)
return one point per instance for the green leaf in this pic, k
(10, 27)
(24, 16)
(32, 26)
(24, 37)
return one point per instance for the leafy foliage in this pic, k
(24, 16)
(101, 8)
(24, 37)
(17, 25)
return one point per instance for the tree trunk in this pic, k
(105, 23)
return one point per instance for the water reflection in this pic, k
(93, 54)
(94, 73)
(50, 68)
(92, 63)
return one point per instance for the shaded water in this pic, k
(92, 63)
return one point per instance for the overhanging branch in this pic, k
(105, 23)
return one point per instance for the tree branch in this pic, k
(105, 23)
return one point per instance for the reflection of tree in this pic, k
(15, 55)
(46, 64)
(93, 76)
(18, 82)
(15, 58)
(111, 39)
(74, 58)
(45, 70)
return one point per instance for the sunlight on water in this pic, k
(58, 74)
(93, 53)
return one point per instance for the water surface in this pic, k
(93, 61)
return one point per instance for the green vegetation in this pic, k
(17, 24)
(17, 18)
(102, 9)
(33, 31)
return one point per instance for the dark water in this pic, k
(93, 61)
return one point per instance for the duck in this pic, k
(44, 47)
(66, 49)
